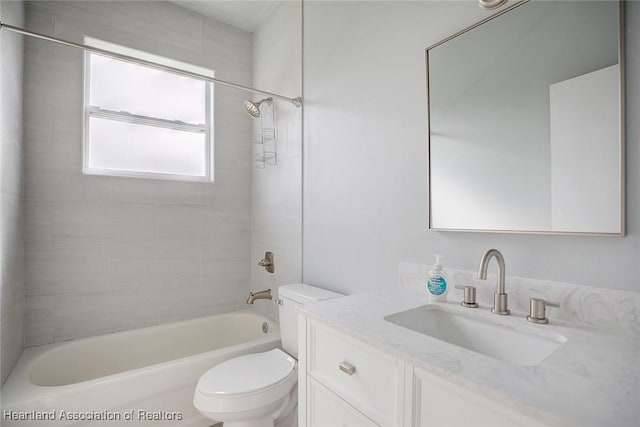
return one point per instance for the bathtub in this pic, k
(141, 377)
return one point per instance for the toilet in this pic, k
(257, 390)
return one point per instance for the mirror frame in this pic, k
(622, 124)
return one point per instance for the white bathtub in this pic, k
(142, 377)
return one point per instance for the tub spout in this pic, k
(259, 295)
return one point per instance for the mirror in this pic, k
(526, 122)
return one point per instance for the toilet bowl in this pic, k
(254, 390)
(257, 390)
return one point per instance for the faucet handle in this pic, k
(537, 310)
(469, 299)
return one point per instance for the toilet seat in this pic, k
(246, 382)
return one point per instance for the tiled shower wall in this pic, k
(12, 237)
(277, 190)
(106, 254)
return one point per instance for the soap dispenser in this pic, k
(437, 285)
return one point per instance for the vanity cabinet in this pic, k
(437, 402)
(326, 409)
(346, 382)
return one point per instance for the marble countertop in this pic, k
(591, 380)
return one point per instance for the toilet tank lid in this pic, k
(303, 293)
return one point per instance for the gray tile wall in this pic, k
(105, 254)
(277, 190)
(12, 204)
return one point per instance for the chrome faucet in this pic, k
(259, 295)
(499, 296)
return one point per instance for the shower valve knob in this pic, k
(267, 262)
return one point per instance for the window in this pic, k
(143, 122)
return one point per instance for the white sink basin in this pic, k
(489, 338)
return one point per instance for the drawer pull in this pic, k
(347, 368)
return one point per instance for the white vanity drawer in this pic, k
(328, 410)
(362, 375)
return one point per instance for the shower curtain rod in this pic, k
(295, 101)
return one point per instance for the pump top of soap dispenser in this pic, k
(437, 265)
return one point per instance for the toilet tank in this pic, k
(290, 297)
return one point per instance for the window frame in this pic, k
(89, 111)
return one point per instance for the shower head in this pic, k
(253, 108)
(491, 4)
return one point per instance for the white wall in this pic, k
(104, 253)
(277, 190)
(12, 203)
(366, 192)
